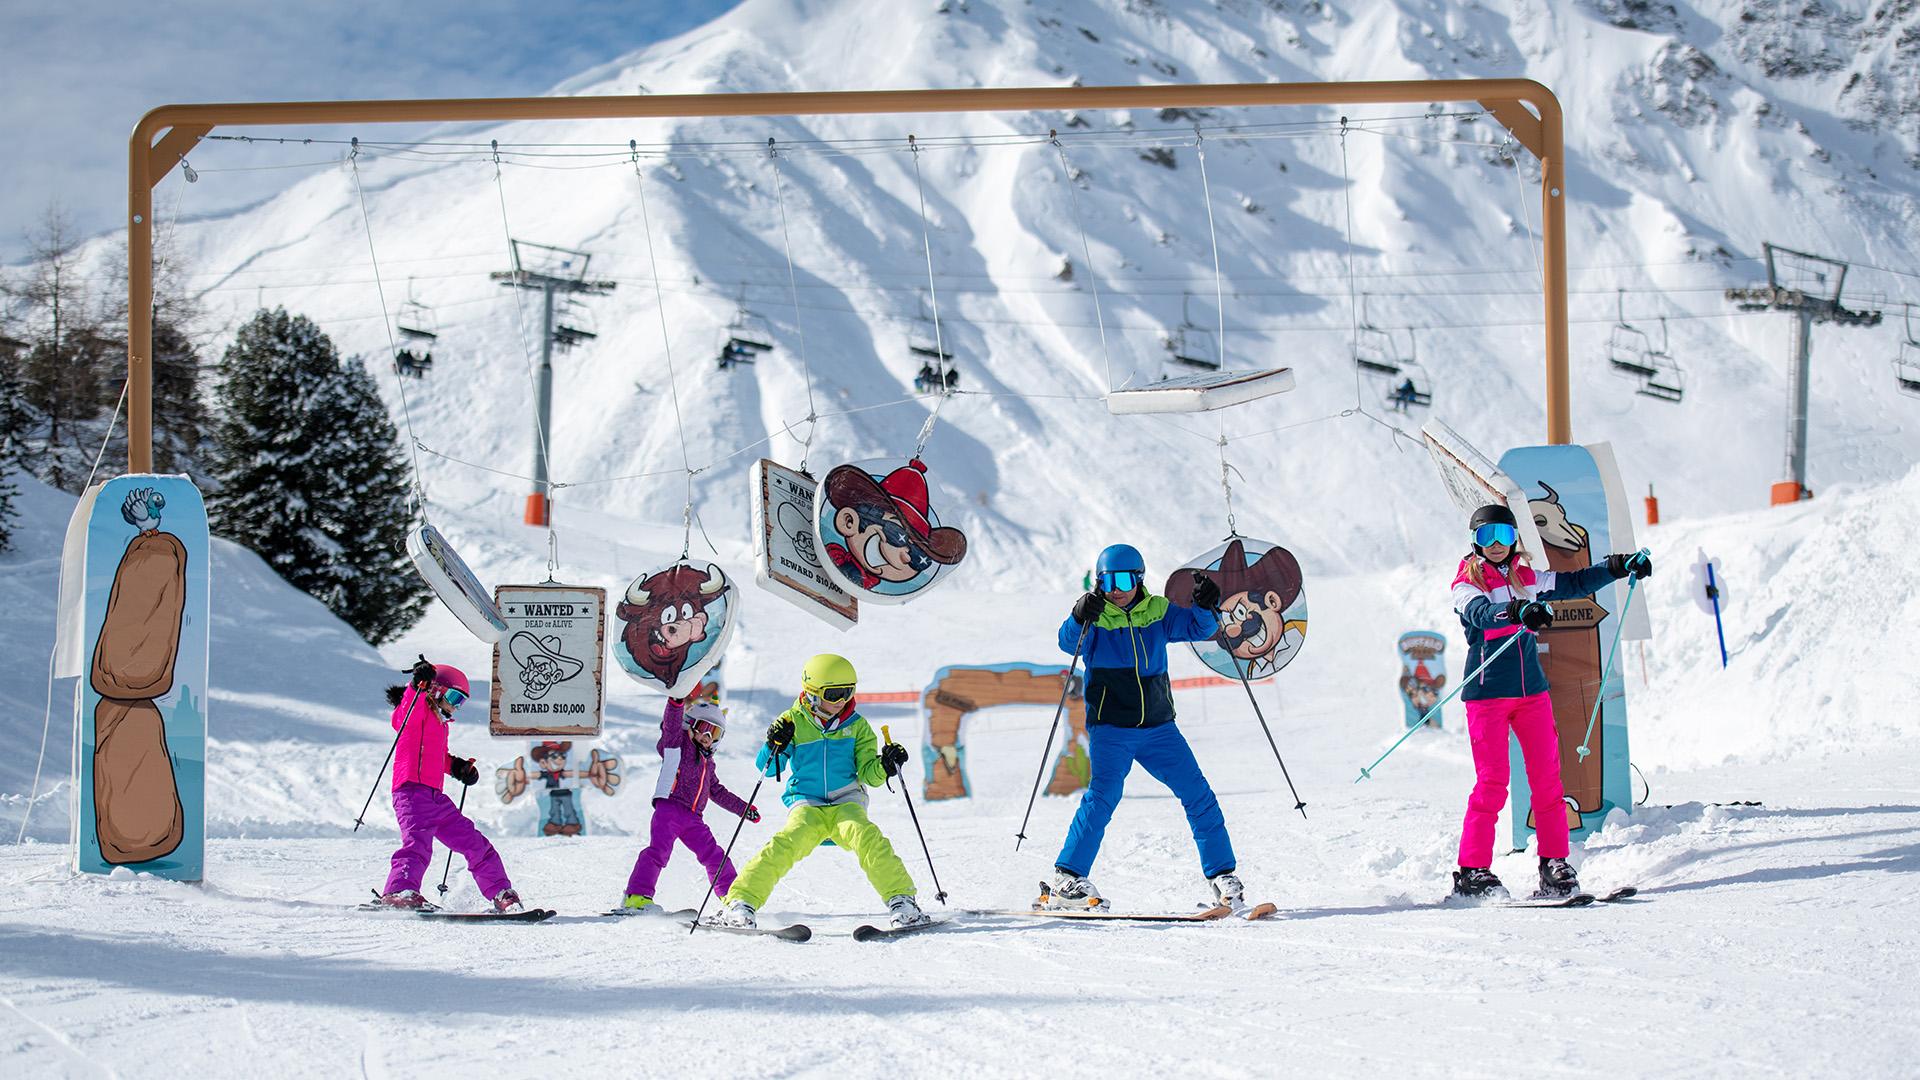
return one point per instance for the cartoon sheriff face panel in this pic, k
(1263, 606)
(880, 534)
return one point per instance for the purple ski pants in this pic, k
(427, 815)
(672, 822)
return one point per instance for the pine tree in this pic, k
(14, 422)
(309, 474)
(68, 354)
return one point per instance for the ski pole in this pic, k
(1066, 687)
(1713, 594)
(1601, 696)
(727, 855)
(383, 765)
(448, 869)
(939, 893)
(1367, 772)
(1298, 803)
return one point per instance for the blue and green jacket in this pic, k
(1126, 655)
(826, 766)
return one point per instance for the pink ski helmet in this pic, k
(448, 677)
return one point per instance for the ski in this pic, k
(1208, 915)
(531, 915)
(1258, 912)
(1624, 892)
(883, 933)
(653, 911)
(1576, 900)
(795, 932)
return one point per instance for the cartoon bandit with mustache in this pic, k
(885, 530)
(1254, 628)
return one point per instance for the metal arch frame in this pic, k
(164, 136)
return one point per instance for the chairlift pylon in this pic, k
(1190, 345)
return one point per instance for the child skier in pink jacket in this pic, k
(422, 710)
(687, 737)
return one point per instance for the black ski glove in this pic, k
(892, 756)
(463, 770)
(1531, 614)
(1206, 594)
(780, 734)
(1088, 608)
(423, 673)
(1639, 564)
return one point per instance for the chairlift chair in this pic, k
(415, 321)
(1373, 348)
(1906, 363)
(574, 325)
(1188, 344)
(1412, 388)
(412, 364)
(1629, 350)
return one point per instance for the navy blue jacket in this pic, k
(1483, 614)
(1126, 655)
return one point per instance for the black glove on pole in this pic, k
(1531, 614)
(1066, 686)
(726, 857)
(448, 869)
(897, 754)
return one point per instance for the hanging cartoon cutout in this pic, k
(1423, 673)
(878, 530)
(556, 784)
(678, 621)
(1263, 607)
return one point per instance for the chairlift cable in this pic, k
(793, 289)
(933, 296)
(386, 321)
(666, 343)
(1213, 238)
(1086, 252)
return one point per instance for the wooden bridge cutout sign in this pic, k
(960, 689)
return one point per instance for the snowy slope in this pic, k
(1688, 146)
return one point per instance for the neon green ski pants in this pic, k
(847, 826)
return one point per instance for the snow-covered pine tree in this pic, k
(14, 423)
(310, 474)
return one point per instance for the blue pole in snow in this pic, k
(1713, 594)
(1438, 705)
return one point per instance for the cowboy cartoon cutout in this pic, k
(1423, 673)
(880, 533)
(542, 664)
(1263, 608)
(560, 814)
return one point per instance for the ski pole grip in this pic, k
(886, 735)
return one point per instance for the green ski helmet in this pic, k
(827, 681)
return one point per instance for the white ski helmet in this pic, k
(707, 713)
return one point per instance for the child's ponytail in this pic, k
(394, 694)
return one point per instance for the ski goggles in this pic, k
(831, 695)
(1117, 580)
(453, 698)
(1495, 532)
(709, 728)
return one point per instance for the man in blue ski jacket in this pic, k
(1123, 631)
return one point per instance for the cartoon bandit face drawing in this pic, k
(1263, 618)
(880, 531)
(666, 616)
(542, 664)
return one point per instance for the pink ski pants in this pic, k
(1531, 720)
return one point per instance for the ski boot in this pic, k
(405, 900)
(1069, 891)
(906, 912)
(1228, 892)
(507, 902)
(1477, 883)
(738, 914)
(1557, 878)
(635, 903)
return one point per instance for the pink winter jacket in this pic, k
(421, 756)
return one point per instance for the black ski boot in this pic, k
(1557, 878)
(1477, 883)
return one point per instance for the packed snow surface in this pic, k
(1771, 933)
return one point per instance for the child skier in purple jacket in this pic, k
(687, 737)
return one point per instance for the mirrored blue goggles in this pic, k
(1117, 580)
(1495, 533)
(453, 698)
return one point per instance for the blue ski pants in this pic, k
(1164, 753)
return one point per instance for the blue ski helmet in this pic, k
(1121, 557)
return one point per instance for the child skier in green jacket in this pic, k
(831, 756)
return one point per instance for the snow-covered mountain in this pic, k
(1695, 132)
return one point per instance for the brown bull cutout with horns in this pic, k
(677, 622)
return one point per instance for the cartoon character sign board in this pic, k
(678, 621)
(140, 783)
(548, 670)
(877, 529)
(959, 690)
(556, 787)
(1569, 507)
(1423, 673)
(786, 555)
(447, 574)
(1263, 607)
